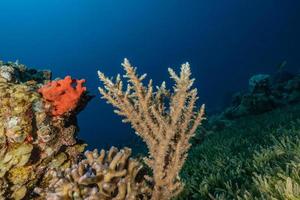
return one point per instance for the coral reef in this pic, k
(31, 140)
(41, 158)
(166, 131)
(111, 175)
(62, 96)
(256, 157)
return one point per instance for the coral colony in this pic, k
(168, 128)
(41, 157)
(32, 140)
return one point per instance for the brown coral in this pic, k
(109, 175)
(166, 131)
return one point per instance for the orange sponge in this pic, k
(63, 95)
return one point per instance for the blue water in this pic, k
(226, 41)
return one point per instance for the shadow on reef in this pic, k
(41, 157)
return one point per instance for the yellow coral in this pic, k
(20, 175)
(16, 157)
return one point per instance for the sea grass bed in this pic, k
(257, 157)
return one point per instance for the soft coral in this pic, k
(63, 95)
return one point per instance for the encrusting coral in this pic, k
(31, 140)
(108, 175)
(165, 131)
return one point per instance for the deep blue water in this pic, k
(226, 41)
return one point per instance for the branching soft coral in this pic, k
(166, 131)
(61, 94)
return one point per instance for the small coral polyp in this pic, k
(62, 96)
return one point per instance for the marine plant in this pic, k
(256, 157)
(165, 120)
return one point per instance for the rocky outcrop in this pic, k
(265, 93)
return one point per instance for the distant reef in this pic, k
(265, 93)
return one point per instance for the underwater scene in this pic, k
(150, 100)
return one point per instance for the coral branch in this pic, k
(166, 131)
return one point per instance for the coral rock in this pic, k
(259, 82)
(31, 139)
(6, 73)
